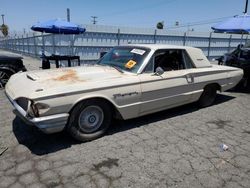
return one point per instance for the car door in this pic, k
(171, 88)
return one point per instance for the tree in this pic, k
(5, 30)
(160, 25)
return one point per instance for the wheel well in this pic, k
(8, 69)
(216, 85)
(116, 114)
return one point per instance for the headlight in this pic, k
(41, 107)
(28, 106)
(33, 109)
(36, 109)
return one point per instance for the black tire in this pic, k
(208, 96)
(78, 117)
(4, 77)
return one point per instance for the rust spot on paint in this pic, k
(69, 75)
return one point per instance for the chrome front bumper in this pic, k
(47, 124)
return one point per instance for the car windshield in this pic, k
(125, 58)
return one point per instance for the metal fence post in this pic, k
(155, 33)
(43, 43)
(18, 44)
(209, 45)
(184, 39)
(118, 37)
(14, 48)
(72, 43)
(229, 43)
(246, 40)
(54, 43)
(35, 45)
(23, 48)
(241, 38)
(28, 43)
(12, 44)
(3, 43)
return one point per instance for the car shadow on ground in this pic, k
(40, 144)
(166, 114)
(240, 89)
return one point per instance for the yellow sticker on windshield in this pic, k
(130, 64)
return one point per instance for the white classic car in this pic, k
(128, 82)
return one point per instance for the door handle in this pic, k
(190, 78)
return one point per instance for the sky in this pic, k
(199, 15)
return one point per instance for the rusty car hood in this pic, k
(35, 84)
(76, 74)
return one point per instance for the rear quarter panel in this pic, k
(225, 77)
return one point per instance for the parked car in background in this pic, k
(239, 58)
(9, 65)
(127, 82)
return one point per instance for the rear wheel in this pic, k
(4, 77)
(89, 120)
(208, 96)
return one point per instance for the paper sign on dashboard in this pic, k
(130, 64)
(138, 51)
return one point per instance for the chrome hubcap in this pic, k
(91, 119)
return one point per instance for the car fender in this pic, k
(92, 96)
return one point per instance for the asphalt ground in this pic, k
(180, 147)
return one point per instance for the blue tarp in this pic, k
(238, 24)
(58, 27)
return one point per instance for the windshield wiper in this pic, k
(117, 68)
(113, 66)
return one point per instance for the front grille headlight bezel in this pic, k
(23, 102)
(28, 106)
(33, 109)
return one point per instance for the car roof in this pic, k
(160, 46)
(198, 57)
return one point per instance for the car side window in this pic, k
(169, 60)
(244, 54)
(236, 52)
(187, 60)
(150, 66)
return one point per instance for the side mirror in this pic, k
(158, 71)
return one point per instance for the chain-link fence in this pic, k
(101, 38)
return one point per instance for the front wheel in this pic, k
(89, 120)
(208, 96)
